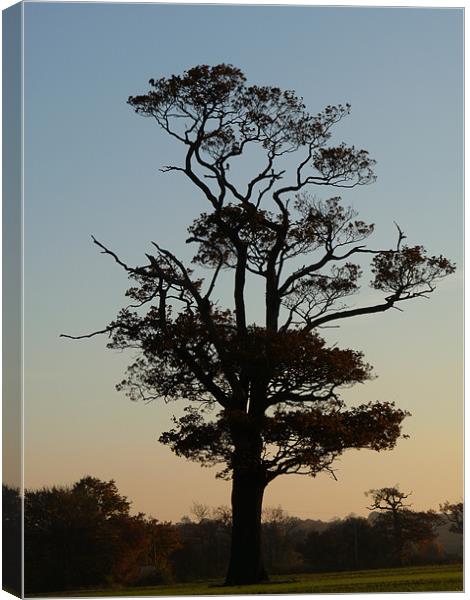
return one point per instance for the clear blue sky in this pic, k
(92, 168)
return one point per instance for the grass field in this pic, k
(447, 578)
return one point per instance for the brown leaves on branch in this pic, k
(298, 366)
(196, 88)
(218, 235)
(343, 165)
(409, 272)
(293, 441)
(212, 110)
(295, 366)
(326, 223)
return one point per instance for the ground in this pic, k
(443, 578)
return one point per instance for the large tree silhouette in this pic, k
(262, 398)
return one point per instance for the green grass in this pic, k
(446, 578)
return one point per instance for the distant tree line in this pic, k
(84, 536)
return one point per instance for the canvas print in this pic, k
(233, 277)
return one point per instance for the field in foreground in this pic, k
(446, 578)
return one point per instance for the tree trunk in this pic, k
(246, 564)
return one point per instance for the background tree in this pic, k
(403, 527)
(200, 511)
(453, 513)
(253, 153)
(391, 501)
(80, 536)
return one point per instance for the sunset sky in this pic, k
(92, 167)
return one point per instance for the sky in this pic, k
(92, 168)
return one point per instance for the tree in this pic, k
(391, 501)
(200, 511)
(403, 526)
(275, 384)
(453, 514)
(80, 536)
